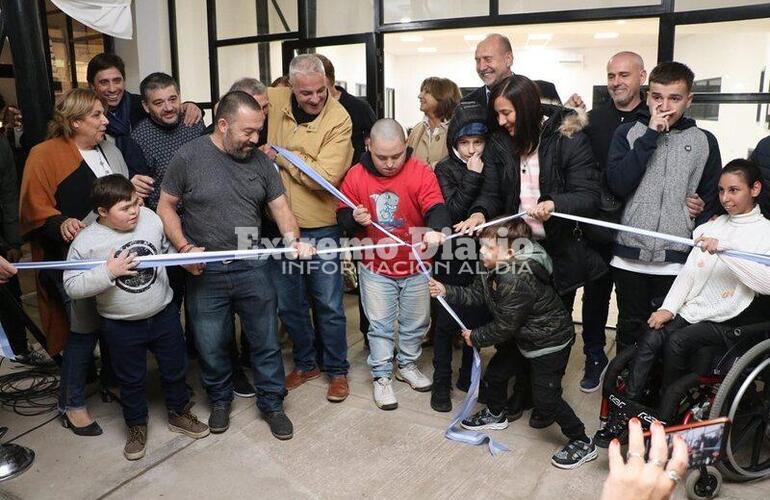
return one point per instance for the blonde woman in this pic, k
(54, 208)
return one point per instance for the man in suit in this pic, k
(494, 58)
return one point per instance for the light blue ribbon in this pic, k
(455, 431)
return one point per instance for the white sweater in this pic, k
(718, 287)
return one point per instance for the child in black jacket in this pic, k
(526, 310)
(460, 176)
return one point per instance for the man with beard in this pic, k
(161, 133)
(106, 75)
(224, 183)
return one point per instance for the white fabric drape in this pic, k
(111, 17)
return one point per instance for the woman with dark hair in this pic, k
(543, 163)
(438, 99)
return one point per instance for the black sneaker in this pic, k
(609, 432)
(575, 454)
(280, 425)
(594, 373)
(539, 421)
(486, 420)
(219, 420)
(440, 400)
(516, 406)
(241, 385)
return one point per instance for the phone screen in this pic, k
(705, 440)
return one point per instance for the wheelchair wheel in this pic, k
(744, 397)
(703, 484)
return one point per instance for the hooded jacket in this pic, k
(654, 173)
(522, 301)
(568, 177)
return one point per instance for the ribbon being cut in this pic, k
(454, 430)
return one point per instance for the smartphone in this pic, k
(705, 440)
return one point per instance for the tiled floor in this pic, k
(346, 450)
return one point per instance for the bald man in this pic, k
(494, 58)
(401, 193)
(625, 76)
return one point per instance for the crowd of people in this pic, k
(123, 176)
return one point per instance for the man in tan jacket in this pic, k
(305, 121)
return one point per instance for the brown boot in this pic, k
(338, 389)
(187, 423)
(136, 442)
(297, 377)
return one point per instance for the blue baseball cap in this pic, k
(473, 128)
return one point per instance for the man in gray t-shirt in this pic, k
(224, 183)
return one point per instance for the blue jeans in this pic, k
(77, 363)
(129, 342)
(245, 288)
(387, 300)
(319, 280)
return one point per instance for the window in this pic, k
(569, 55)
(342, 17)
(253, 59)
(683, 5)
(736, 51)
(525, 6)
(736, 129)
(404, 11)
(703, 111)
(239, 18)
(71, 46)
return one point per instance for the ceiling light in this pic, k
(405, 20)
(539, 36)
(427, 50)
(606, 35)
(411, 38)
(474, 38)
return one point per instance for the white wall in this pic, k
(349, 63)
(150, 50)
(406, 73)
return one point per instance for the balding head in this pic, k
(494, 57)
(388, 146)
(625, 76)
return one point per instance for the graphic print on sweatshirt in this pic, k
(386, 206)
(144, 277)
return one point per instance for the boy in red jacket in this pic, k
(400, 193)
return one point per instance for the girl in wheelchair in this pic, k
(714, 293)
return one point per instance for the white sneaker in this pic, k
(414, 377)
(384, 397)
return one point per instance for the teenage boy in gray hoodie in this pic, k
(654, 164)
(526, 310)
(136, 307)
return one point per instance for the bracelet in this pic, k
(186, 248)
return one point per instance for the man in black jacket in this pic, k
(625, 76)
(494, 58)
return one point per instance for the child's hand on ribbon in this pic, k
(433, 239)
(710, 245)
(436, 289)
(362, 216)
(123, 264)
